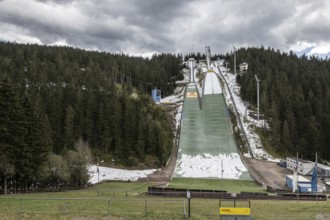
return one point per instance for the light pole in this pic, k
(222, 169)
(98, 169)
(234, 60)
(258, 80)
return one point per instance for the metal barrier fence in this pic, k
(119, 193)
(217, 194)
(148, 208)
(154, 208)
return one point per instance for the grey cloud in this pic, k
(168, 25)
(56, 1)
(308, 23)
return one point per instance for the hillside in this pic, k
(61, 108)
(294, 98)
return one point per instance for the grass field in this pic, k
(216, 184)
(126, 200)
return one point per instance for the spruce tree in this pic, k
(12, 131)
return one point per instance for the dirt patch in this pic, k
(268, 173)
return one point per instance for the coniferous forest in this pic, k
(60, 105)
(61, 108)
(294, 98)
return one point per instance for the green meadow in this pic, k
(129, 200)
(216, 184)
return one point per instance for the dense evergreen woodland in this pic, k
(59, 106)
(294, 97)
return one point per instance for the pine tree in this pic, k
(12, 131)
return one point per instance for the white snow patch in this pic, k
(108, 173)
(210, 166)
(177, 97)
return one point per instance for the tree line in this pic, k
(60, 107)
(294, 97)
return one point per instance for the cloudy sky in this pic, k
(148, 26)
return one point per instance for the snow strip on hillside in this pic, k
(249, 122)
(107, 173)
(176, 98)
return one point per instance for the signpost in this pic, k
(188, 196)
(234, 211)
(192, 95)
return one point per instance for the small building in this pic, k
(304, 185)
(323, 170)
(156, 95)
(301, 180)
(304, 167)
(243, 67)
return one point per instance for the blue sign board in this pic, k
(156, 95)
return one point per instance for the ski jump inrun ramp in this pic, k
(207, 148)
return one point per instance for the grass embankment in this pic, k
(216, 184)
(118, 200)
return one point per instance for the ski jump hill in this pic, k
(207, 147)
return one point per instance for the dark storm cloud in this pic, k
(144, 26)
(150, 20)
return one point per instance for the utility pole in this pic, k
(234, 60)
(222, 169)
(98, 169)
(258, 80)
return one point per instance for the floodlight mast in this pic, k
(234, 60)
(258, 80)
(208, 57)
